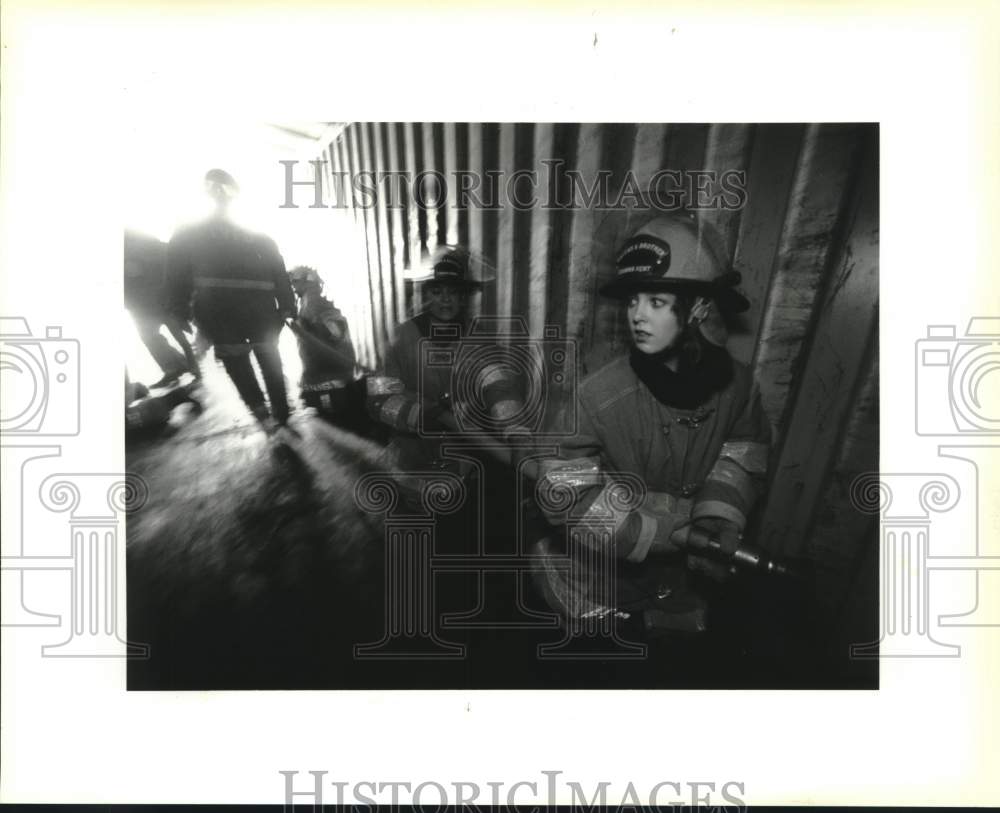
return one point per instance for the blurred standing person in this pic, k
(145, 300)
(233, 282)
(325, 347)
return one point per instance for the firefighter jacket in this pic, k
(232, 280)
(325, 347)
(637, 470)
(432, 372)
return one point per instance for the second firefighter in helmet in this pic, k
(415, 397)
(678, 413)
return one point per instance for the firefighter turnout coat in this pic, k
(232, 280)
(637, 470)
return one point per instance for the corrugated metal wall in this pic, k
(806, 243)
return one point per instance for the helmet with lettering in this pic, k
(451, 265)
(676, 253)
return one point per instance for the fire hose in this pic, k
(743, 557)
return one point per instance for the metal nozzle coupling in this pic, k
(756, 560)
(744, 557)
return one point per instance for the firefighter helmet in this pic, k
(676, 253)
(452, 265)
(305, 274)
(223, 178)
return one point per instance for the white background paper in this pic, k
(81, 84)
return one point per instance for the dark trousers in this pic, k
(165, 356)
(241, 372)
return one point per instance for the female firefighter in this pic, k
(671, 443)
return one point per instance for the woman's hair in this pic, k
(702, 367)
(690, 344)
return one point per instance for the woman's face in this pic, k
(653, 321)
(445, 302)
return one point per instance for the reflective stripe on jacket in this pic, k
(636, 470)
(233, 281)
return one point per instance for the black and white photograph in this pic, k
(547, 404)
(453, 405)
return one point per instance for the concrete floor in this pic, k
(251, 566)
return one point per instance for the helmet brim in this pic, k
(467, 285)
(728, 300)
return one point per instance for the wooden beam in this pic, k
(475, 214)
(450, 146)
(649, 153)
(387, 247)
(365, 333)
(397, 207)
(564, 150)
(727, 150)
(582, 276)
(360, 163)
(771, 170)
(505, 230)
(686, 147)
(840, 533)
(817, 200)
(403, 198)
(427, 165)
(541, 232)
(839, 339)
(520, 191)
(490, 147)
(412, 137)
(462, 163)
